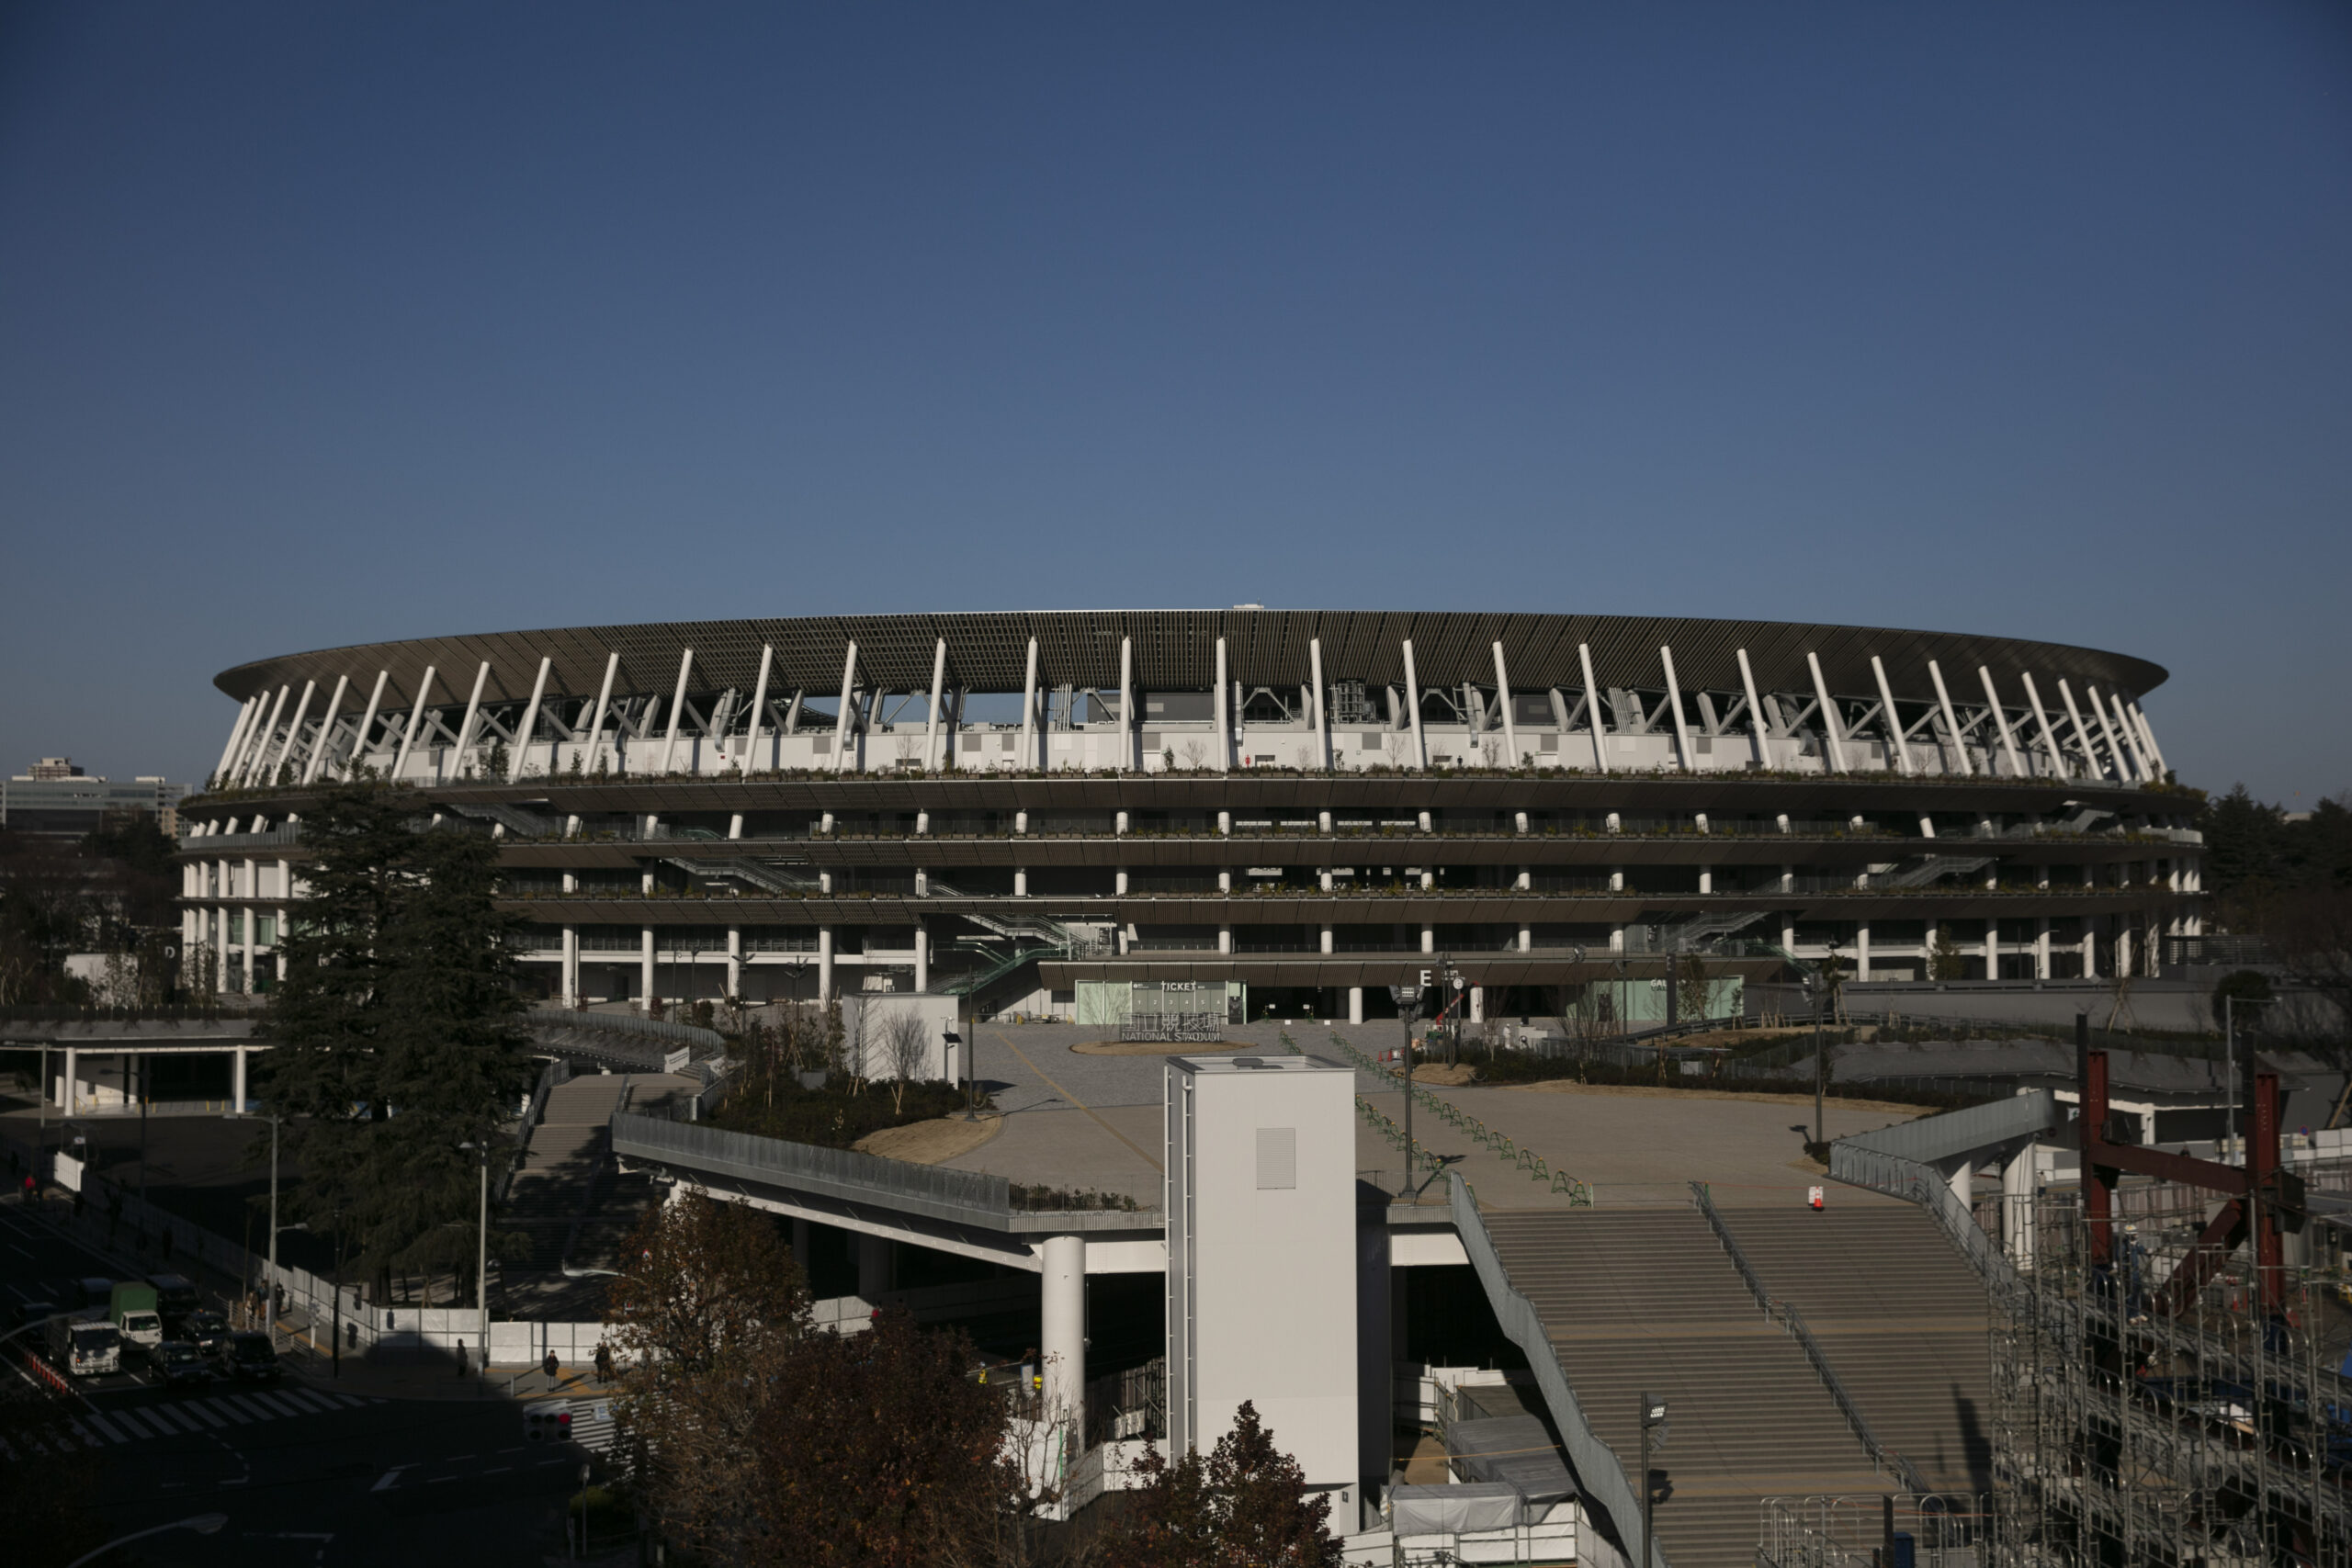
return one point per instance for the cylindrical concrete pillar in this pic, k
(237, 1080)
(1062, 1329)
(1355, 1004)
(1021, 884)
(824, 964)
(1327, 939)
(645, 996)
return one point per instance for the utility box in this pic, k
(1261, 1260)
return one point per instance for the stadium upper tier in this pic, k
(1194, 692)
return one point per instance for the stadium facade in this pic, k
(1101, 815)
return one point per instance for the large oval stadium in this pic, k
(1106, 816)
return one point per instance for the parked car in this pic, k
(249, 1355)
(208, 1331)
(178, 1362)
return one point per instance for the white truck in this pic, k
(85, 1346)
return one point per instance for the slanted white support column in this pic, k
(237, 1079)
(2000, 722)
(646, 995)
(1756, 719)
(2148, 734)
(1355, 1004)
(1502, 698)
(1952, 720)
(570, 965)
(530, 724)
(842, 728)
(257, 758)
(293, 732)
(1592, 710)
(597, 721)
(2114, 749)
(1029, 710)
(751, 757)
(1129, 736)
(677, 712)
(2041, 717)
(252, 919)
(1895, 744)
(824, 964)
(1674, 700)
(1315, 708)
(1413, 708)
(938, 694)
(236, 737)
(327, 730)
(473, 711)
(2130, 734)
(2082, 735)
(366, 723)
(1061, 1328)
(1829, 736)
(1224, 713)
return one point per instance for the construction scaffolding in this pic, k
(2167, 1384)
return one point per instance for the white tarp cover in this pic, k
(1514, 1450)
(1452, 1510)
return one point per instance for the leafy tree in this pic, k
(1244, 1506)
(2244, 840)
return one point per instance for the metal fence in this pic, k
(966, 1197)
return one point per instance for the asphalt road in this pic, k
(308, 1472)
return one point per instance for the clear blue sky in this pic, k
(325, 323)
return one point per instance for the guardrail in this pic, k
(1786, 1315)
(1601, 1474)
(1899, 1177)
(964, 1197)
(686, 1035)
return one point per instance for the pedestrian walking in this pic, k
(461, 1358)
(603, 1363)
(549, 1366)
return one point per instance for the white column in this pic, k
(240, 744)
(1225, 939)
(1019, 883)
(2082, 735)
(735, 961)
(1315, 698)
(1029, 710)
(1429, 937)
(2130, 735)
(824, 964)
(1503, 696)
(2042, 948)
(327, 730)
(1674, 702)
(841, 720)
(596, 720)
(570, 965)
(466, 730)
(677, 712)
(1129, 741)
(1061, 1327)
(236, 739)
(293, 732)
(1224, 714)
(750, 759)
(220, 936)
(1526, 937)
(417, 718)
(257, 760)
(237, 1079)
(2000, 722)
(938, 692)
(70, 1099)
(1754, 712)
(2016, 1206)
(1477, 1004)
(1327, 937)
(1829, 736)
(1592, 710)
(2049, 736)
(1992, 948)
(922, 957)
(1894, 742)
(1952, 720)
(530, 724)
(1355, 1004)
(253, 918)
(1413, 708)
(1861, 950)
(2114, 749)
(2148, 734)
(645, 971)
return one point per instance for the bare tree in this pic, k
(905, 1048)
(1196, 755)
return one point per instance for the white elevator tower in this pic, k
(1261, 1259)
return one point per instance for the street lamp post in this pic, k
(269, 1306)
(1409, 1007)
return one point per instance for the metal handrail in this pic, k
(1786, 1314)
(1600, 1473)
(1908, 1179)
(628, 1023)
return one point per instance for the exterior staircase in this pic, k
(1899, 1316)
(558, 1177)
(1648, 1301)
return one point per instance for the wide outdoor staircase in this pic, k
(558, 1177)
(1648, 1301)
(1900, 1318)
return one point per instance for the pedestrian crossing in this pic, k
(214, 1412)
